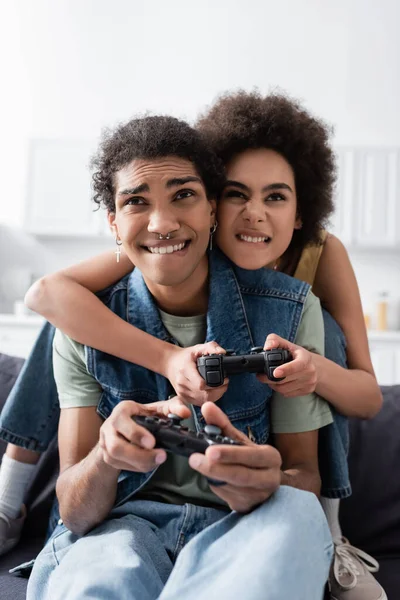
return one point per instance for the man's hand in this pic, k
(300, 375)
(181, 370)
(251, 472)
(124, 444)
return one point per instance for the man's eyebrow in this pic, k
(143, 187)
(182, 180)
(266, 188)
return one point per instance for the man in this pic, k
(136, 524)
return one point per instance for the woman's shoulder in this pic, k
(309, 258)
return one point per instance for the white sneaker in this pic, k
(351, 574)
(10, 530)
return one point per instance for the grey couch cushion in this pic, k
(370, 518)
(10, 366)
(40, 497)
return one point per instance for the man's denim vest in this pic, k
(244, 307)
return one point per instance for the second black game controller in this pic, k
(174, 437)
(215, 367)
(178, 439)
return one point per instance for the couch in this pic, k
(370, 517)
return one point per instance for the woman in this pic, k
(280, 173)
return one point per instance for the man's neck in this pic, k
(186, 299)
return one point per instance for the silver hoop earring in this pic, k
(212, 231)
(118, 250)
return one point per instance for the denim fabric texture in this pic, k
(245, 306)
(147, 550)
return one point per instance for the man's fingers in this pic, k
(214, 416)
(116, 450)
(237, 475)
(257, 457)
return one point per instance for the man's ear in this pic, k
(213, 212)
(112, 224)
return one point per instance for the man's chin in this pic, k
(163, 279)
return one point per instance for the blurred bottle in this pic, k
(382, 311)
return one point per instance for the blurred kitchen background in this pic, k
(71, 67)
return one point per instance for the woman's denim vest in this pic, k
(244, 307)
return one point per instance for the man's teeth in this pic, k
(166, 249)
(247, 238)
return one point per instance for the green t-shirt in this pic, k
(174, 481)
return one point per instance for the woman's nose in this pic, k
(254, 212)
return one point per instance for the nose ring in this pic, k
(164, 237)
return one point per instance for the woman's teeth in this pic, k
(166, 249)
(254, 240)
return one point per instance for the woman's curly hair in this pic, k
(152, 137)
(241, 120)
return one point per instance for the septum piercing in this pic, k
(164, 237)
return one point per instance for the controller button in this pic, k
(174, 418)
(275, 356)
(256, 350)
(214, 377)
(212, 362)
(227, 440)
(212, 430)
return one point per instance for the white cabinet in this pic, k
(18, 334)
(59, 193)
(385, 354)
(368, 198)
(344, 217)
(59, 190)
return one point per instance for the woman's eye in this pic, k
(275, 197)
(184, 194)
(235, 194)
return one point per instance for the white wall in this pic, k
(74, 66)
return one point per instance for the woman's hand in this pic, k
(300, 375)
(181, 370)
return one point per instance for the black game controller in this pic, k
(174, 437)
(215, 367)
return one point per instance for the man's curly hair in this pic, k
(152, 137)
(241, 120)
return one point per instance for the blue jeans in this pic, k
(31, 413)
(333, 440)
(147, 550)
